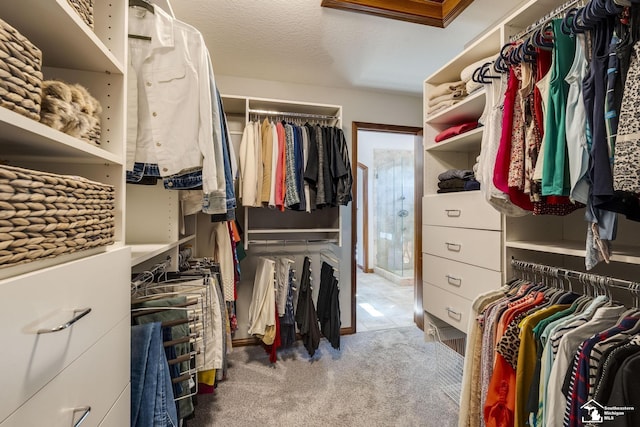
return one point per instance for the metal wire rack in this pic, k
(450, 348)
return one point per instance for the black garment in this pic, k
(626, 392)
(306, 317)
(613, 358)
(327, 176)
(600, 167)
(288, 321)
(311, 169)
(342, 169)
(329, 305)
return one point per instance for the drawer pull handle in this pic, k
(453, 213)
(453, 247)
(455, 314)
(81, 313)
(86, 410)
(454, 281)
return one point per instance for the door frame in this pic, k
(418, 312)
(365, 218)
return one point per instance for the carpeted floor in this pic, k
(378, 378)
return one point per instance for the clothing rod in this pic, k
(559, 10)
(282, 241)
(292, 114)
(560, 273)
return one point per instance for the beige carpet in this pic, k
(378, 378)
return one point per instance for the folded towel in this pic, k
(473, 87)
(467, 72)
(456, 130)
(442, 105)
(450, 190)
(455, 173)
(444, 88)
(456, 94)
(452, 183)
(471, 185)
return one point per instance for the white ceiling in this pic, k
(299, 41)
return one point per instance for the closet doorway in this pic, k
(386, 218)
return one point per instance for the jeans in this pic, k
(152, 403)
(186, 181)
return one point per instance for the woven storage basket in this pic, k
(84, 8)
(44, 215)
(20, 73)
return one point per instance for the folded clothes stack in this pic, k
(466, 75)
(455, 180)
(445, 95)
(456, 130)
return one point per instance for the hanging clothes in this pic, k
(262, 310)
(544, 351)
(329, 305)
(306, 316)
(173, 123)
(304, 167)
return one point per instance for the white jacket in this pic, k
(169, 116)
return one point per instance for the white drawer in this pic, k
(466, 209)
(462, 279)
(120, 414)
(95, 380)
(476, 247)
(46, 299)
(446, 306)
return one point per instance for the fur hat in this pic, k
(70, 108)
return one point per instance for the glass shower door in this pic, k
(394, 211)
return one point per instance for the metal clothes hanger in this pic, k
(144, 4)
(148, 7)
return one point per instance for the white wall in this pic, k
(357, 105)
(367, 142)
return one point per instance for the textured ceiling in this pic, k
(299, 41)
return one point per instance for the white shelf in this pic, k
(485, 46)
(65, 40)
(620, 253)
(22, 136)
(144, 252)
(466, 142)
(469, 109)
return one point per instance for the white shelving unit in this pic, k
(267, 230)
(46, 374)
(546, 239)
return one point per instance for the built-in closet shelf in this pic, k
(144, 252)
(65, 40)
(620, 253)
(466, 142)
(24, 137)
(469, 109)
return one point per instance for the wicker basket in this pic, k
(20, 73)
(44, 215)
(84, 8)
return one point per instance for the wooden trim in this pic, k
(427, 12)
(365, 216)
(355, 127)
(418, 309)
